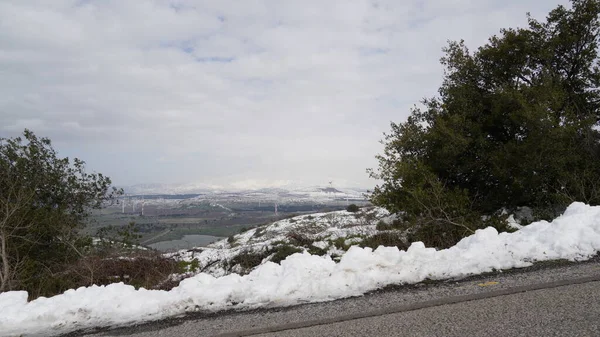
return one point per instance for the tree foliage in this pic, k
(44, 201)
(515, 123)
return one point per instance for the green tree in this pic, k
(44, 201)
(515, 123)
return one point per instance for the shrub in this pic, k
(260, 231)
(440, 235)
(396, 224)
(316, 251)
(188, 266)
(387, 239)
(249, 260)
(383, 226)
(352, 208)
(148, 270)
(283, 251)
(299, 239)
(340, 243)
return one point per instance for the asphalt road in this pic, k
(545, 300)
(572, 310)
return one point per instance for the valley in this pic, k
(170, 222)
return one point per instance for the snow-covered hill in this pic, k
(327, 234)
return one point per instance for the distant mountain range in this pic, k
(148, 189)
(291, 193)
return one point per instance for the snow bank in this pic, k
(305, 278)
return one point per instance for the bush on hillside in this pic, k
(248, 260)
(387, 239)
(352, 208)
(283, 251)
(516, 123)
(299, 239)
(149, 270)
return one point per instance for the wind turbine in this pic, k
(332, 189)
(276, 202)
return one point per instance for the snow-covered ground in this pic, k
(306, 278)
(322, 229)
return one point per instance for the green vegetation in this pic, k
(339, 243)
(249, 260)
(515, 124)
(142, 269)
(283, 251)
(260, 231)
(188, 266)
(299, 239)
(44, 202)
(384, 226)
(352, 208)
(127, 235)
(316, 250)
(387, 239)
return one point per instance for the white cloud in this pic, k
(169, 91)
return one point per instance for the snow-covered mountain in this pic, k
(277, 194)
(156, 188)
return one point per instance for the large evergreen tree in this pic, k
(515, 123)
(44, 200)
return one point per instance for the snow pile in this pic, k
(306, 278)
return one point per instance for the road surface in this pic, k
(553, 299)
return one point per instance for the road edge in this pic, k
(413, 306)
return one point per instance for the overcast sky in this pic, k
(233, 93)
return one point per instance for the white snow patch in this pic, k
(303, 277)
(512, 223)
(321, 244)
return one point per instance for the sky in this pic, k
(243, 94)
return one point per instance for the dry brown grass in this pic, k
(144, 269)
